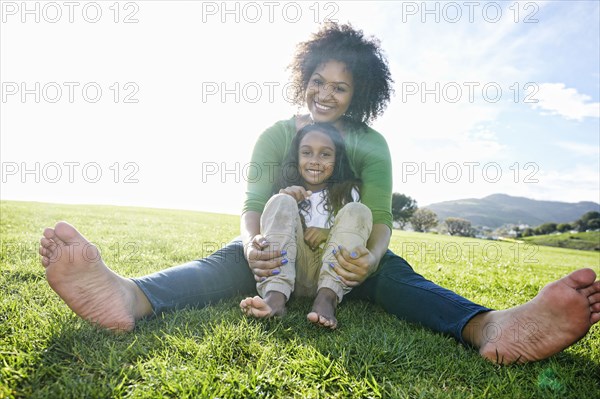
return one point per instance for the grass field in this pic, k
(588, 241)
(216, 352)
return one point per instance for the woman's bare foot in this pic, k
(272, 305)
(323, 309)
(75, 270)
(560, 315)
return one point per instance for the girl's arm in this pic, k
(315, 236)
(299, 193)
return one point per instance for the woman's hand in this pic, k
(262, 261)
(355, 266)
(315, 236)
(298, 192)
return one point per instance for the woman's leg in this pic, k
(279, 224)
(561, 313)
(77, 273)
(402, 292)
(221, 275)
(352, 228)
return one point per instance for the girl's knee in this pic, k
(282, 203)
(283, 199)
(356, 209)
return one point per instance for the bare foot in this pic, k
(95, 293)
(560, 315)
(272, 305)
(323, 309)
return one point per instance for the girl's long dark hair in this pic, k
(339, 185)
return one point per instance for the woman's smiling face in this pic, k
(329, 92)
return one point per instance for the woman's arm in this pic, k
(370, 155)
(267, 156)
(262, 262)
(378, 244)
(249, 226)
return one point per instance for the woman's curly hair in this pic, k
(362, 56)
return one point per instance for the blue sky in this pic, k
(178, 129)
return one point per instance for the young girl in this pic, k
(314, 214)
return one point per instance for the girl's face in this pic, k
(316, 159)
(329, 92)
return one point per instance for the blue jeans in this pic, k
(396, 287)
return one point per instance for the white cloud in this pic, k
(582, 181)
(567, 102)
(579, 148)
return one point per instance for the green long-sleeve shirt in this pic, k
(369, 157)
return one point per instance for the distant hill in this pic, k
(499, 209)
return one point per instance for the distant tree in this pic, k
(459, 227)
(564, 227)
(581, 224)
(423, 219)
(545, 228)
(590, 215)
(593, 224)
(403, 208)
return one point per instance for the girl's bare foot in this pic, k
(323, 309)
(272, 305)
(76, 272)
(560, 315)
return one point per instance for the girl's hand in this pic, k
(355, 266)
(298, 192)
(262, 261)
(315, 236)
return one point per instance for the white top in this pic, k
(316, 215)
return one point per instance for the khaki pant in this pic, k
(307, 271)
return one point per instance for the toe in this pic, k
(50, 235)
(47, 243)
(580, 279)
(330, 324)
(42, 251)
(592, 289)
(67, 233)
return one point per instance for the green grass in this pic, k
(216, 352)
(589, 241)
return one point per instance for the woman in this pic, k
(343, 79)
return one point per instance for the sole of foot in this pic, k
(76, 272)
(561, 314)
